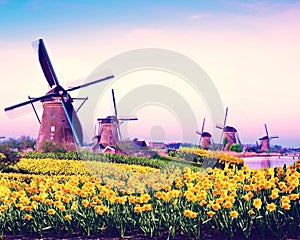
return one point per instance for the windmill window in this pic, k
(110, 137)
(52, 115)
(52, 128)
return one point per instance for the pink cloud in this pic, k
(199, 16)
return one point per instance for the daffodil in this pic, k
(257, 203)
(234, 214)
(271, 207)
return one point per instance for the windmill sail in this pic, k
(119, 120)
(46, 63)
(201, 132)
(90, 83)
(266, 128)
(27, 106)
(35, 112)
(223, 126)
(116, 114)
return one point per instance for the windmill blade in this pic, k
(225, 119)
(50, 95)
(114, 102)
(200, 138)
(73, 120)
(83, 101)
(45, 63)
(267, 133)
(128, 119)
(221, 139)
(203, 124)
(273, 137)
(212, 142)
(119, 132)
(35, 112)
(238, 138)
(90, 83)
(202, 129)
(199, 132)
(224, 125)
(116, 113)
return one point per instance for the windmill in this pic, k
(265, 140)
(204, 140)
(109, 128)
(59, 123)
(228, 132)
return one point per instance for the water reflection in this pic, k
(264, 162)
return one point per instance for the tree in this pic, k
(26, 142)
(20, 144)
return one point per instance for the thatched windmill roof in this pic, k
(229, 129)
(206, 134)
(264, 138)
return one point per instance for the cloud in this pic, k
(199, 16)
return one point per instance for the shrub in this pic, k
(11, 156)
(235, 147)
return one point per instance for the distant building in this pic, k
(109, 149)
(205, 140)
(134, 148)
(265, 144)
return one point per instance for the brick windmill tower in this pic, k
(109, 133)
(60, 123)
(205, 137)
(265, 140)
(229, 134)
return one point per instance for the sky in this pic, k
(249, 51)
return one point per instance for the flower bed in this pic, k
(208, 158)
(160, 162)
(231, 202)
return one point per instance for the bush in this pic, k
(11, 156)
(235, 147)
(7, 160)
